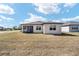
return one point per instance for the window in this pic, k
(38, 28)
(75, 28)
(53, 27)
(24, 27)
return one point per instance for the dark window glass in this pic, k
(75, 28)
(24, 27)
(38, 28)
(52, 28)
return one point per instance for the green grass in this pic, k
(23, 44)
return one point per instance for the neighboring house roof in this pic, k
(71, 24)
(1, 27)
(41, 23)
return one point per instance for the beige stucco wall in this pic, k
(47, 31)
(69, 29)
(34, 28)
(24, 30)
(65, 29)
(37, 31)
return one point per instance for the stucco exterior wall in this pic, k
(65, 29)
(24, 30)
(46, 29)
(69, 29)
(74, 30)
(34, 28)
(37, 31)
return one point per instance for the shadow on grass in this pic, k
(65, 34)
(32, 33)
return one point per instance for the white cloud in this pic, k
(5, 9)
(3, 18)
(74, 19)
(33, 18)
(56, 20)
(70, 19)
(1, 25)
(0, 20)
(47, 8)
(39, 1)
(9, 19)
(6, 21)
(70, 5)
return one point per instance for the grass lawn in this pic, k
(23, 44)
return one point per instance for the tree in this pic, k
(15, 28)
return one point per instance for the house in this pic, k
(70, 27)
(1, 28)
(42, 27)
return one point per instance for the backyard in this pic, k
(16, 43)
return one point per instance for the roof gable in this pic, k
(71, 24)
(41, 23)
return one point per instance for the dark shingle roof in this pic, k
(71, 24)
(41, 23)
(1, 27)
(34, 23)
(52, 23)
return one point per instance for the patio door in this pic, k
(29, 29)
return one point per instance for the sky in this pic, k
(14, 14)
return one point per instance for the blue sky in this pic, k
(13, 14)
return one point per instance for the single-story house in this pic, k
(70, 27)
(42, 27)
(1, 28)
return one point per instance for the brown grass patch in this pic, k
(23, 44)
